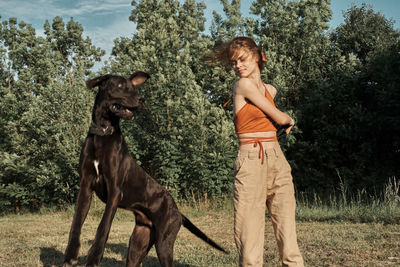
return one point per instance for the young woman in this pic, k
(262, 173)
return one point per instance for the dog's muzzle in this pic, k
(121, 111)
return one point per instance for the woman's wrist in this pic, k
(290, 120)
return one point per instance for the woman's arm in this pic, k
(248, 90)
(272, 90)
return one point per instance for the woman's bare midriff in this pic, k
(266, 145)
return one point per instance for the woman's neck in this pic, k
(256, 78)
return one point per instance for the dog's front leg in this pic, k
(81, 211)
(96, 251)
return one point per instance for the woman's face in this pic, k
(244, 63)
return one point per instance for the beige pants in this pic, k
(256, 186)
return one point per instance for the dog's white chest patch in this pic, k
(96, 166)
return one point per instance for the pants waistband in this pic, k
(257, 141)
(268, 152)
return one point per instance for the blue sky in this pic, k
(105, 20)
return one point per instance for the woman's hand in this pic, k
(291, 124)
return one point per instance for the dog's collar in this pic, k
(101, 131)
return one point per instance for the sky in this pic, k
(105, 20)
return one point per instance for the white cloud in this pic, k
(98, 17)
(103, 7)
(48, 9)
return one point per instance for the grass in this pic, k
(358, 208)
(39, 239)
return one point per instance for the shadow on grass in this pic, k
(50, 257)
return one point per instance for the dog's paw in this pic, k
(70, 263)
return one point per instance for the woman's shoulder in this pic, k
(271, 89)
(244, 81)
(244, 84)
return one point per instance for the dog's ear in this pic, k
(138, 78)
(97, 81)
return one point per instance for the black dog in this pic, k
(107, 168)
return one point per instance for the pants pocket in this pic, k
(240, 159)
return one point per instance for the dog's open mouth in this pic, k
(122, 111)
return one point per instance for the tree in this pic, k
(293, 36)
(347, 118)
(364, 32)
(341, 87)
(232, 26)
(185, 141)
(46, 111)
(219, 80)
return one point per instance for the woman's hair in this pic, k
(229, 51)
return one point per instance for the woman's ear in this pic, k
(263, 56)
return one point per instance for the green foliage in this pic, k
(218, 80)
(342, 87)
(45, 112)
(363, 32)
(182, 139)
(359, 206)
(230, 27)
(348, 119)
(293, 36)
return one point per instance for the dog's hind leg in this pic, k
(165, 241)
(141, 241)
(81, 211)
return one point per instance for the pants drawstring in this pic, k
(257, 141)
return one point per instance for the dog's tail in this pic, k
(197, 232)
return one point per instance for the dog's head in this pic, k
(118, 95)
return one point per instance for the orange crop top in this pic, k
(250, 118)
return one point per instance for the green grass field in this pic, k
(39, 240)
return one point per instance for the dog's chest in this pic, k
(96, 166)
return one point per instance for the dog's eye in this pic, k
(120, 85)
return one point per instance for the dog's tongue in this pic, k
(128, 111)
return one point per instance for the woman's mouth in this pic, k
(241, 71)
